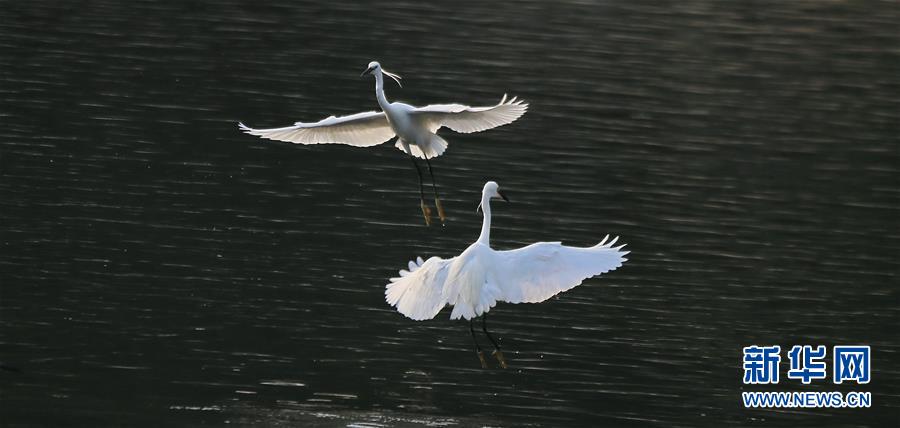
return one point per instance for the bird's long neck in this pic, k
(485, 237)
(379, 91)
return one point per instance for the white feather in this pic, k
(430, 150)
(416, 126)
(417, 292)
(361, 130)
(480, 276)
(540, 271)
(465, 119)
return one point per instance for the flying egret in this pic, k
(474, 281)
(416, 128)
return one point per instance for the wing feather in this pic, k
(361, 130)
(417, 292)
(540, 271)
(465, 119)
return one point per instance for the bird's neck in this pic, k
(485, 237)
(379, 92)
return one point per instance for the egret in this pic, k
(474, 281)
(416, 128)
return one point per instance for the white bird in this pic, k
(416, 128)
(474, 281)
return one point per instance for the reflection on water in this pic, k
(160, 268)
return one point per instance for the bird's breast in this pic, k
(467, 276)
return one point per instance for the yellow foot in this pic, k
(483, 361)
(440, 209)
(500, 358)
(426, 212)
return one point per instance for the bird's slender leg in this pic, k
(477, 348)
(426, 211)
(437, 200)
(497, 352)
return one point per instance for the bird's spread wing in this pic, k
(416, 293)
(467, 119)
(539, 271)
(361, 129)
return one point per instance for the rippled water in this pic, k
(159, 268)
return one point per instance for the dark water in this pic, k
(159, 268)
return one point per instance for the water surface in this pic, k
(160, 268)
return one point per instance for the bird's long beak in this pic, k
(392, 76)
(502, 196)
(364, 73)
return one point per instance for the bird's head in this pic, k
(375, 68)
(491, 190)
(372, 67)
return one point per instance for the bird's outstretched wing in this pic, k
(416, 293)
(361, 130)
(539, 271)
(467, 119)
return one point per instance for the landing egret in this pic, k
(416, 128)
(474, 281)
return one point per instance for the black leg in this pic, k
(431, 171)
(477, 347)
(419, 172)
(497, 352)
(426, 212)
(437, 199)
(484, 329)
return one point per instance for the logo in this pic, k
(808, 364)
(852, 363)
(761, 364)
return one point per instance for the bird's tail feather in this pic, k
(432, 149)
